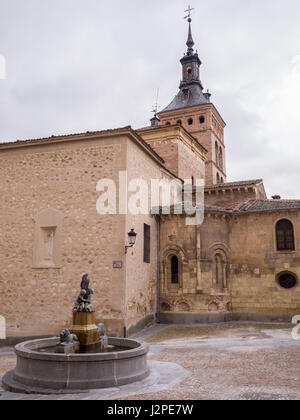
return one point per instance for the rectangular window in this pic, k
(147, 243)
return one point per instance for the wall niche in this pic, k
(47, 239)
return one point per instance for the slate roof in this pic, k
(195, 97)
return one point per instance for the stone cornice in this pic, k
(170, 132)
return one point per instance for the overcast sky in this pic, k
(79, 65)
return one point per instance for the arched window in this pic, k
(202, 119)
(174, 270)
(220, 271)
(218, 179)
(217, 152)
(179, 122)
(190, 121)
(285, 235)
(168, 123)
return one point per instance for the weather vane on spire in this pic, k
(189, 13)
(156, 107)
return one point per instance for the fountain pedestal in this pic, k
(82, 360)
(84, 327)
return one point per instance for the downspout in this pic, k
(158, 272)
(125, 298)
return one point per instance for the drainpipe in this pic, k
(125, 298)
(158, 272)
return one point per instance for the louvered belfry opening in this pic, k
(285, 236)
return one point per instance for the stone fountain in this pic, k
(83, 358)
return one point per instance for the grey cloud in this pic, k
(75, 65)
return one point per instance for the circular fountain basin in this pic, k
(42, 371)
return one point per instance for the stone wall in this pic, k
(182, 155)
(206, 125)
(255, 264)
(189, 164)
(51, 233)
(39, 301)
(196, 291)
(142, 276)
(239, 265)
(230, 197)
(168, 150)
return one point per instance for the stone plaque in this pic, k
(118, 264)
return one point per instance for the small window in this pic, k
(287, 281)
(285, 236)
(193, 181)
(174, 270)
(179, 122)
(147, 244)
(168, 123)
(190, 121)
(202, 119)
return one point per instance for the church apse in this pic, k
(183, 288)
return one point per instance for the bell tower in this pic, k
(193, 109)
(191, 67)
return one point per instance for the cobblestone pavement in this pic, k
(240, 364)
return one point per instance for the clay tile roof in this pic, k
(80, 135)
(217, 209)
(86, 134)
(268, 205)
(234, 184)
(256, 206)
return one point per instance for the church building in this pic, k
(241, 263)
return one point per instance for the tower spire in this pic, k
(190, 42)
(191, 88)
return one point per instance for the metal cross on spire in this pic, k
(190, 42)
(189, 12)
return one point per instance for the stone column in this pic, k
(224, 275)
(199, 287)
(165, 278)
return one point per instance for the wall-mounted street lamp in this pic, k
(132, 238)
